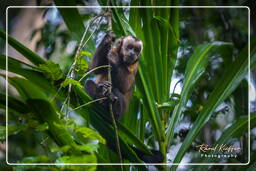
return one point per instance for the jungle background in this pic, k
(191, 87)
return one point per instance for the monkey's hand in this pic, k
(110, 37)
(104, 88)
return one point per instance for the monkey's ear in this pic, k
(114, 53)
(118, 44)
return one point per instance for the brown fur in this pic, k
(123, 58)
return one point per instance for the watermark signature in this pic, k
(218, 151)
(218, 147)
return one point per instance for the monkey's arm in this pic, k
(100, 56)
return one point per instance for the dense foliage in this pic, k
(191, 88)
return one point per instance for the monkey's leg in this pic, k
(119, 105)
(91, 89)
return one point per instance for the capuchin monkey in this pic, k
(123, 57)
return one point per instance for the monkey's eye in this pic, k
(129, 46)
(137, 49)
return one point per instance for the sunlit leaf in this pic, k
(89, 147)
(51, 71)
(42, 127)
(89, 133)
(81, 65)
(85, 53)
(90, 158)
(72, 82)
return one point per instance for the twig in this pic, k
(82, 46)
(90, 102)
(94, 69)
(71, 71)
(110, 105)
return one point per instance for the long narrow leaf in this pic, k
(45, 111)
(27, 53)
(27, 71)
(195, 68)
(237, 129)
(122, 129)
(225, 86)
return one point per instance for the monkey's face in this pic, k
(130, 50)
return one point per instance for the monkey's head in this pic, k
(128, 50)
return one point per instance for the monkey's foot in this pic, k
(111, 97)
(104, 87)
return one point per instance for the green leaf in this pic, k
(42, 127)
(90, 158)
(27, 53)
(51, 71)
(12, 130)
(89, 133)
(72, 82)
(12, 62)
(29, 72)
(45, 111)
(35, 159)
(225, 86)
(89, 147)
(13, 104)
(149, 103)
(85, 53)
(27, 89)
(81, 65)
(2, 133)
(63, 149)
(167, 105)
(101, 117)
(103, 125)
(237, 129)
(194, 69)
(167, 24)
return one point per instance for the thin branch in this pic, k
(92, 70)
(81, 46)
(90, 102)
(110, 105)
(71, 71)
